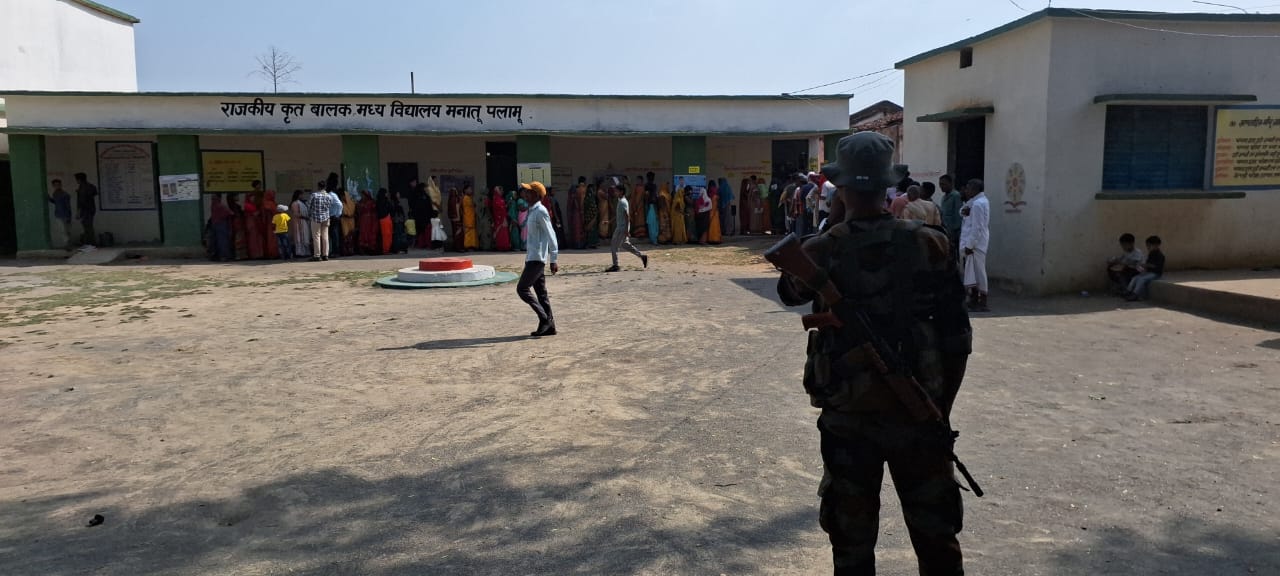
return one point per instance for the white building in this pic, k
(1086, 124)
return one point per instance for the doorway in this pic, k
(966, 149)
(500, 165)
(8, 221)
(399, 175)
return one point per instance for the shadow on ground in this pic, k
(458, 343)
(1185, 546)
(474, 516)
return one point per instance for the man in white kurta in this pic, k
(975, 234)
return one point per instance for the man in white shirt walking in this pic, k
(541, 249)
(975, 234)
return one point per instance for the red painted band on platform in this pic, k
(444, 264)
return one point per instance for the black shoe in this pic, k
(612, 269)
(315, 258)
(645, 258)
(324, 258)
(548, 330)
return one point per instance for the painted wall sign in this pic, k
(531, 172)
(231, 171)
(396, 109)
(695, 170)
(1246, 150)
(126, 176)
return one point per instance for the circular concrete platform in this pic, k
(471, 274)
(497, 278)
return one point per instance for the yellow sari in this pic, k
(679, 233)
(471, 240)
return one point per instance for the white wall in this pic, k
(61, 45)
(594, 157)
(738, 158)
(438, 156)
(1092, 58)
(1009, 72)
(66, 155)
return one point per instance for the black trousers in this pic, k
(534, 277)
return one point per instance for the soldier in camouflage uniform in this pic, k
(903, 275)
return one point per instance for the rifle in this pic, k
(789, 257)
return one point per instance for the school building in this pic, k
(1086, 124)
(156, 157)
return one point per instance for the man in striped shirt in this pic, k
(541, 249)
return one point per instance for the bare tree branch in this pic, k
(277, 67)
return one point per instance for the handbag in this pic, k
(411, 227)
(437, 231)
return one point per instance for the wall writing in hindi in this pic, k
(395, 109)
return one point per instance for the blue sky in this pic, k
(569, 46)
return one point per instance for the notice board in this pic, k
(230, 171)
(1246, 147)
(126, 176)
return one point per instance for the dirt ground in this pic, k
(291, 419)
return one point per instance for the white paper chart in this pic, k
(126, 176)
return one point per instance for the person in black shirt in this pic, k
(1150, 270)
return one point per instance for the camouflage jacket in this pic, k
(903, 275)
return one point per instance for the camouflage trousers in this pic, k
(855, 449)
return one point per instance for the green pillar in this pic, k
(830, 143)
(360, 161)
(533, 149)
(181, 221)
(30, 194)
(689, 154)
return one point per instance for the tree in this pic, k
(277, 67)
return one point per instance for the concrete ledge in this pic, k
(1253, 300)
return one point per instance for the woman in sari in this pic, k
(270, 247)
(727, 221)
(484, 222)
(470, 239)
(383, 206)
(253, 227)
(501, 224)
(438, 209)
(367, 217)
(238, 229)
(576, 239)
(713, 227)
(664, 214)
(639, 228)
(300, 226)
(651, 221)
(347, 223)
(590, 218)
(605, 213)
(456, 231)
(745, 206)
(690, 216)
(399, 234)
(513, 219)
(679, 234)
(766, 213)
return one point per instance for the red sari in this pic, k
(367, 221)
(270, 248)
(253, 229)
(501, 223)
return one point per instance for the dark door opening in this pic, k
(966, 149)
(789, 157)
(500, 165)
(8, 222)
(399, 175)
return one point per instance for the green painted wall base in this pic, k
(182, 222)
(30, 192)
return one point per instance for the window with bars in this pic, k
(1155, 147)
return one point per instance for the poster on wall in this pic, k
(698, 181)
(1246, 151)
(231, 170)
(180, 187)
(126, 176)
(534, 172)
